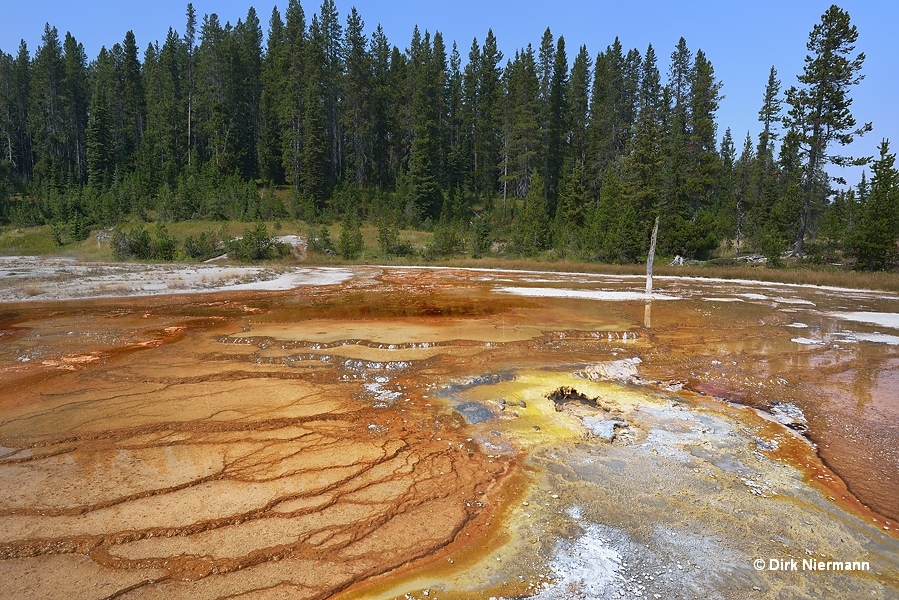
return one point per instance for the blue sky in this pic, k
(742, 39)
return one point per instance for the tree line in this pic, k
(527, 154)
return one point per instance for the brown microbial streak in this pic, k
(474, 544)
(148, 479)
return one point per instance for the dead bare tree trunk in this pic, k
(651, 257)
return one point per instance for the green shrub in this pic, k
(203, 246)
(256, 244)
(321, 241)
(350, 244)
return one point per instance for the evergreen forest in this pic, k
(553, 151)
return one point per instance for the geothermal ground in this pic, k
(383, 432)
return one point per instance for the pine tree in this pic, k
(350, 244)
(7, 123)
(521, 137)
(578, 97)
(819, 113)
(679, 79)
(357, 89)
(611, 113)
(293, 107)
(532, 232)
(766, 172)
(20, 155)
(439, 73)
(399, 134)
(642, 167)
(272, 101)
(612, 227)
(164, 149)
(488, 123)
(315, 140)
(148, 162)
(743, 191)
(228, 71)
(215, 136)
(7, 126)
(630, 91)
(838, 225)
(46, 117)
(703, 159)
(133, 107)
(557, 126)
(246, 82)
(786, 209)
(469, 116)
(570, 213)
(874, 241)
(457, 156)
(379, 104)
(75, 107)
(546, 59)
(425, 197)
(769, 115)
(676, 143)
(100, 152)
(332, 42)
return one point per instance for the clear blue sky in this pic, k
(742, 39)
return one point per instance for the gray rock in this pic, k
(624, 369)
(604, 428)
(787, 413)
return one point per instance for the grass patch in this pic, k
(31, 290)
(39, 241)
(27, 241)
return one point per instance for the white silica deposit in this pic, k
(875, 338)
(806, 341)
(890, 320)
(586, 568)
(622, 369)
(600, 427)
(541, 292)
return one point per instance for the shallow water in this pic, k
(372, 435)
